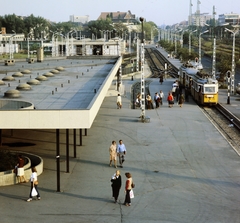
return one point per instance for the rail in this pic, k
(227, 114)
(157, 63)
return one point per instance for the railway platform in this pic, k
(233, 107)
(184, 170)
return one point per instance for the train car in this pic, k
(185, 75)
(204, 89)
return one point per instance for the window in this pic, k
(209, 89)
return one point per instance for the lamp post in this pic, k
(152, 35)
(67, 43)
(233, 59)
(14, 42)
(142, 76)
(183, 31)
(74, 31)
(199, 50)
(10, 46)
(129, 44)
(176, 41)
(62, 42)
(137, 67)
(228, 78)
(54, 44)
(28, 44)
(189, 42)
(1, 52)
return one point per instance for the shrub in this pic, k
(8, 160)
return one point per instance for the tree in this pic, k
(99, 26)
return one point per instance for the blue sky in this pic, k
(159, 11)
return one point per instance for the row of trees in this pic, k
(40, 27)
(37, 26)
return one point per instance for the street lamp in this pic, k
(233, 58)
(10, 46)
(200, 56)
(14, 42)
(62, 42)
(142, 76)
(67, 43)
(182, 37)
(129, 44)
(72, 41)
(28, 42)
(228, 78)
(54, 44)
(1, 44)
(189, 41)
(175, 34)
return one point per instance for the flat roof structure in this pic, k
(55, 94)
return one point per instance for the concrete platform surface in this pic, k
(184, 170)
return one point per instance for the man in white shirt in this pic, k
(121, 151)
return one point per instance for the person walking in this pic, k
(116, 185)
(121, 152)
(149, 102)
(161, 95)
(119, 102)
(34, 184)
(157, 100)
(170, 100)
(161, 79)
(177, 93)
(20, 170)
(181, 100)
(113, 154)
(128, 188)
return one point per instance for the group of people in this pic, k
(175, 94)
(120, 152)
(117, 151)
(158, 99)
(116, 186)
(33, 178)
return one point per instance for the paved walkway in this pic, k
(184, 170)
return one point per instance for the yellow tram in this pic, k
(203, 87)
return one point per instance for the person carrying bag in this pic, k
(34, 185)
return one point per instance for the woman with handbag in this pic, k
(128, 188)
(116, 185)
(34, 185)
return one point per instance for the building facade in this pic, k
(231, 19)
(79, 19)
(116, 17)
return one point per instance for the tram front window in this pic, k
(209, 89)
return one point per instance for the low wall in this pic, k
(15, 105)
(10, 178)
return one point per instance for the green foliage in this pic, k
(120, 29)
(99, 26)
(8, 160)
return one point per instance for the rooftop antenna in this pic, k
(190, 14)
(198, 14)
(213, 17)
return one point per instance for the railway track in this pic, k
(157, 61)
(227, 123)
